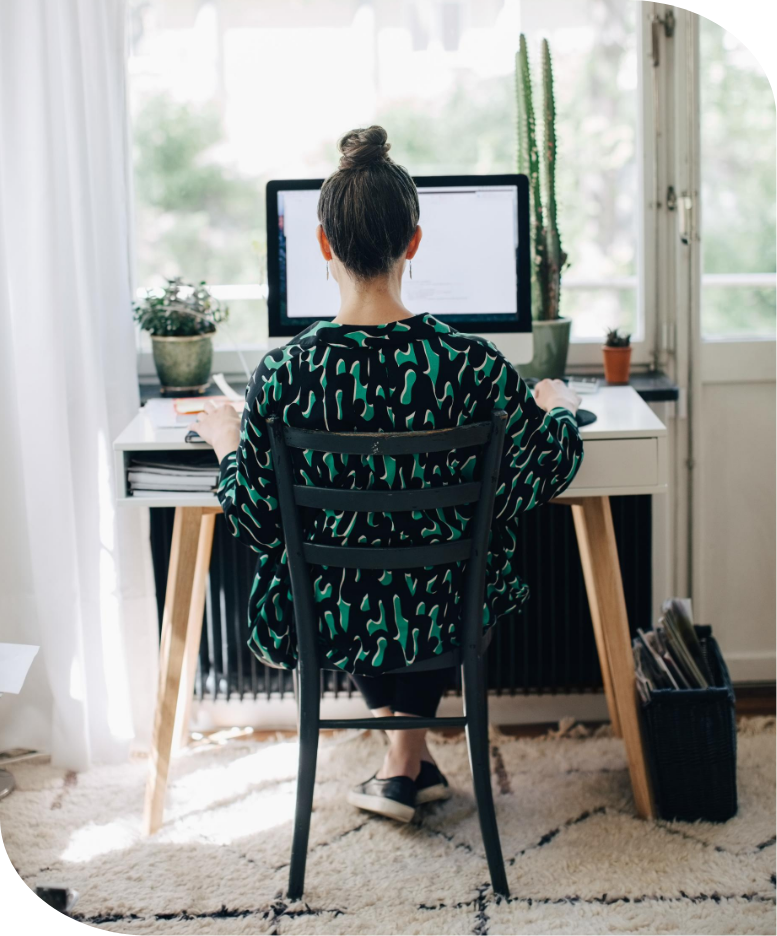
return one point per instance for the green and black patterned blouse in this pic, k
(410, 375)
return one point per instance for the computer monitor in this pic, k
(471, 270)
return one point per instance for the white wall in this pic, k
(735, 591)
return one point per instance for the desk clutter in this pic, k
(688, 715)
(181, 412)
(185, 472)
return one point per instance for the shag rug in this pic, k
(578, 859)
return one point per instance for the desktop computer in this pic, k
(471, 270)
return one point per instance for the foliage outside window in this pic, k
(222, 101)
(738, 189)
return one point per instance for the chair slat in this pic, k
(427, 498)
(392, 557)
(388, 443)
(394, 722)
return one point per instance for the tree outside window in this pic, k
(222, 101)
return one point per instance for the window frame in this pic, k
(586, 355)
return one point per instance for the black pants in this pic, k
(410, 693)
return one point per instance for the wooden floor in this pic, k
(752, 699)
(755, 699)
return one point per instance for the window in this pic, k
(227, 95)
(738, 189)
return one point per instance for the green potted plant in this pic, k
(181, 319)
(617, 357)
(551, 331)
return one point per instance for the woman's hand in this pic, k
(219, 425)
(549, 394)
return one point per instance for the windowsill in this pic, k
(652, 386)
(149, 388)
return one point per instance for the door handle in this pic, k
(684, 207)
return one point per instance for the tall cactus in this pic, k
(548, 258)
(529, 164)
(556, 258)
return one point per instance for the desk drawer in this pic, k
(618, 465)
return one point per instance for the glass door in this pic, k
(732, 445)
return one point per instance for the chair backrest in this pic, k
(474, 550)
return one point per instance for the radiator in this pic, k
(548, 647)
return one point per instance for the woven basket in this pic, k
(691, 740)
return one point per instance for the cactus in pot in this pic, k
(616, 352)
(551, 332)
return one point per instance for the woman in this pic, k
(378, 368)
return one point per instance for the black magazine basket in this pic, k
(691, 740)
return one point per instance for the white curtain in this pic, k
(75, 574)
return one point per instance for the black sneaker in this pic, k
(393, 797)
(430, 784)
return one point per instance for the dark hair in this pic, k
(368, 208)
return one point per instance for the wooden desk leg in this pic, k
(180, 580)
(599, 556)
(605, 663)
(194, 629)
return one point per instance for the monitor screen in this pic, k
(471, 269)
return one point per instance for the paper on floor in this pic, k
(15, 660)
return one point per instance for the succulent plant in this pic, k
(615, 340)
(179, 310)
(548, 257)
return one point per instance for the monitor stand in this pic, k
(517, 347)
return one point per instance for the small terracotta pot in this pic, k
(617, 362)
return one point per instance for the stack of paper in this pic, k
(190, 406)
(151, 474)
(670, 656)
(162, 415)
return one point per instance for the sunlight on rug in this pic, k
(578, 859)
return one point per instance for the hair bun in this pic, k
(362, 148)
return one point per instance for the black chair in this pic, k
(470, 655)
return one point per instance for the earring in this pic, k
(411, 269)
(327, 269)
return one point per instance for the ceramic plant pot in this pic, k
(551, 344)
(183, 363)
(617, 362)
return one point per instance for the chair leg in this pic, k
(476, 711)
(308, 707)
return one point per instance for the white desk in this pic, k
(625, 453)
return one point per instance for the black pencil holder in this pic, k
(691, 741)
